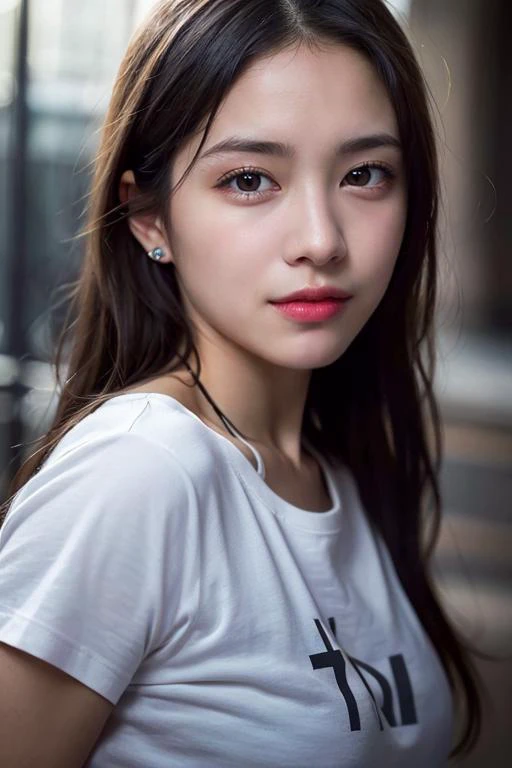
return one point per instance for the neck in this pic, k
(265, 404)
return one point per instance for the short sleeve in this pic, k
(90, 570)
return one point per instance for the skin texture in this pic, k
(47, 719)
(303, 225)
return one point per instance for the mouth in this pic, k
(313, 295)
(311, 311)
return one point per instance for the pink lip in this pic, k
(314, 294)
(311, 311)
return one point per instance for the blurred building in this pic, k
(54, 89)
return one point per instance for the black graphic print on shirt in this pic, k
(332, 657)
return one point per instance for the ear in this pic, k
(147, 228)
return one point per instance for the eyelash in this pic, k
(225, 180)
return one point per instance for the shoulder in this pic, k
(137, 433)
(100, 547)
(135, 456)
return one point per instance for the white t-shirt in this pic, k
(149, 559)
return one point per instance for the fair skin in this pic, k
(303, 223)
(47, 719)
(309, 225)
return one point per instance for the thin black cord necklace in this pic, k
(227, 422)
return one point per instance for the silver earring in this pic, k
(156, 254)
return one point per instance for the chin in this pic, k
(310, 361)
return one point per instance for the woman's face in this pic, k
(329, 211)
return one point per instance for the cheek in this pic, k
(216, 263)
(379, 240)
(211, 247)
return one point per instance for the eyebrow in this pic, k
(278, 149)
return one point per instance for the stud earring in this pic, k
(156, 254)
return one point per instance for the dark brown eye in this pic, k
(248, 182)
(360, 177)
(368, 176)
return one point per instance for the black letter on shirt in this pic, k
(334, 659)
(400, 674)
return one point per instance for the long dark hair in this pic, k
(374, 407)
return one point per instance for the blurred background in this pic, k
(58, 60)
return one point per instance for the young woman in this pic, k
(219, 556)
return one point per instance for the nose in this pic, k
(315, 232)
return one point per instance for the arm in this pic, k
(88, 588)
(47, 718)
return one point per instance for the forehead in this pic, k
(329, 78)
(309, 98)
